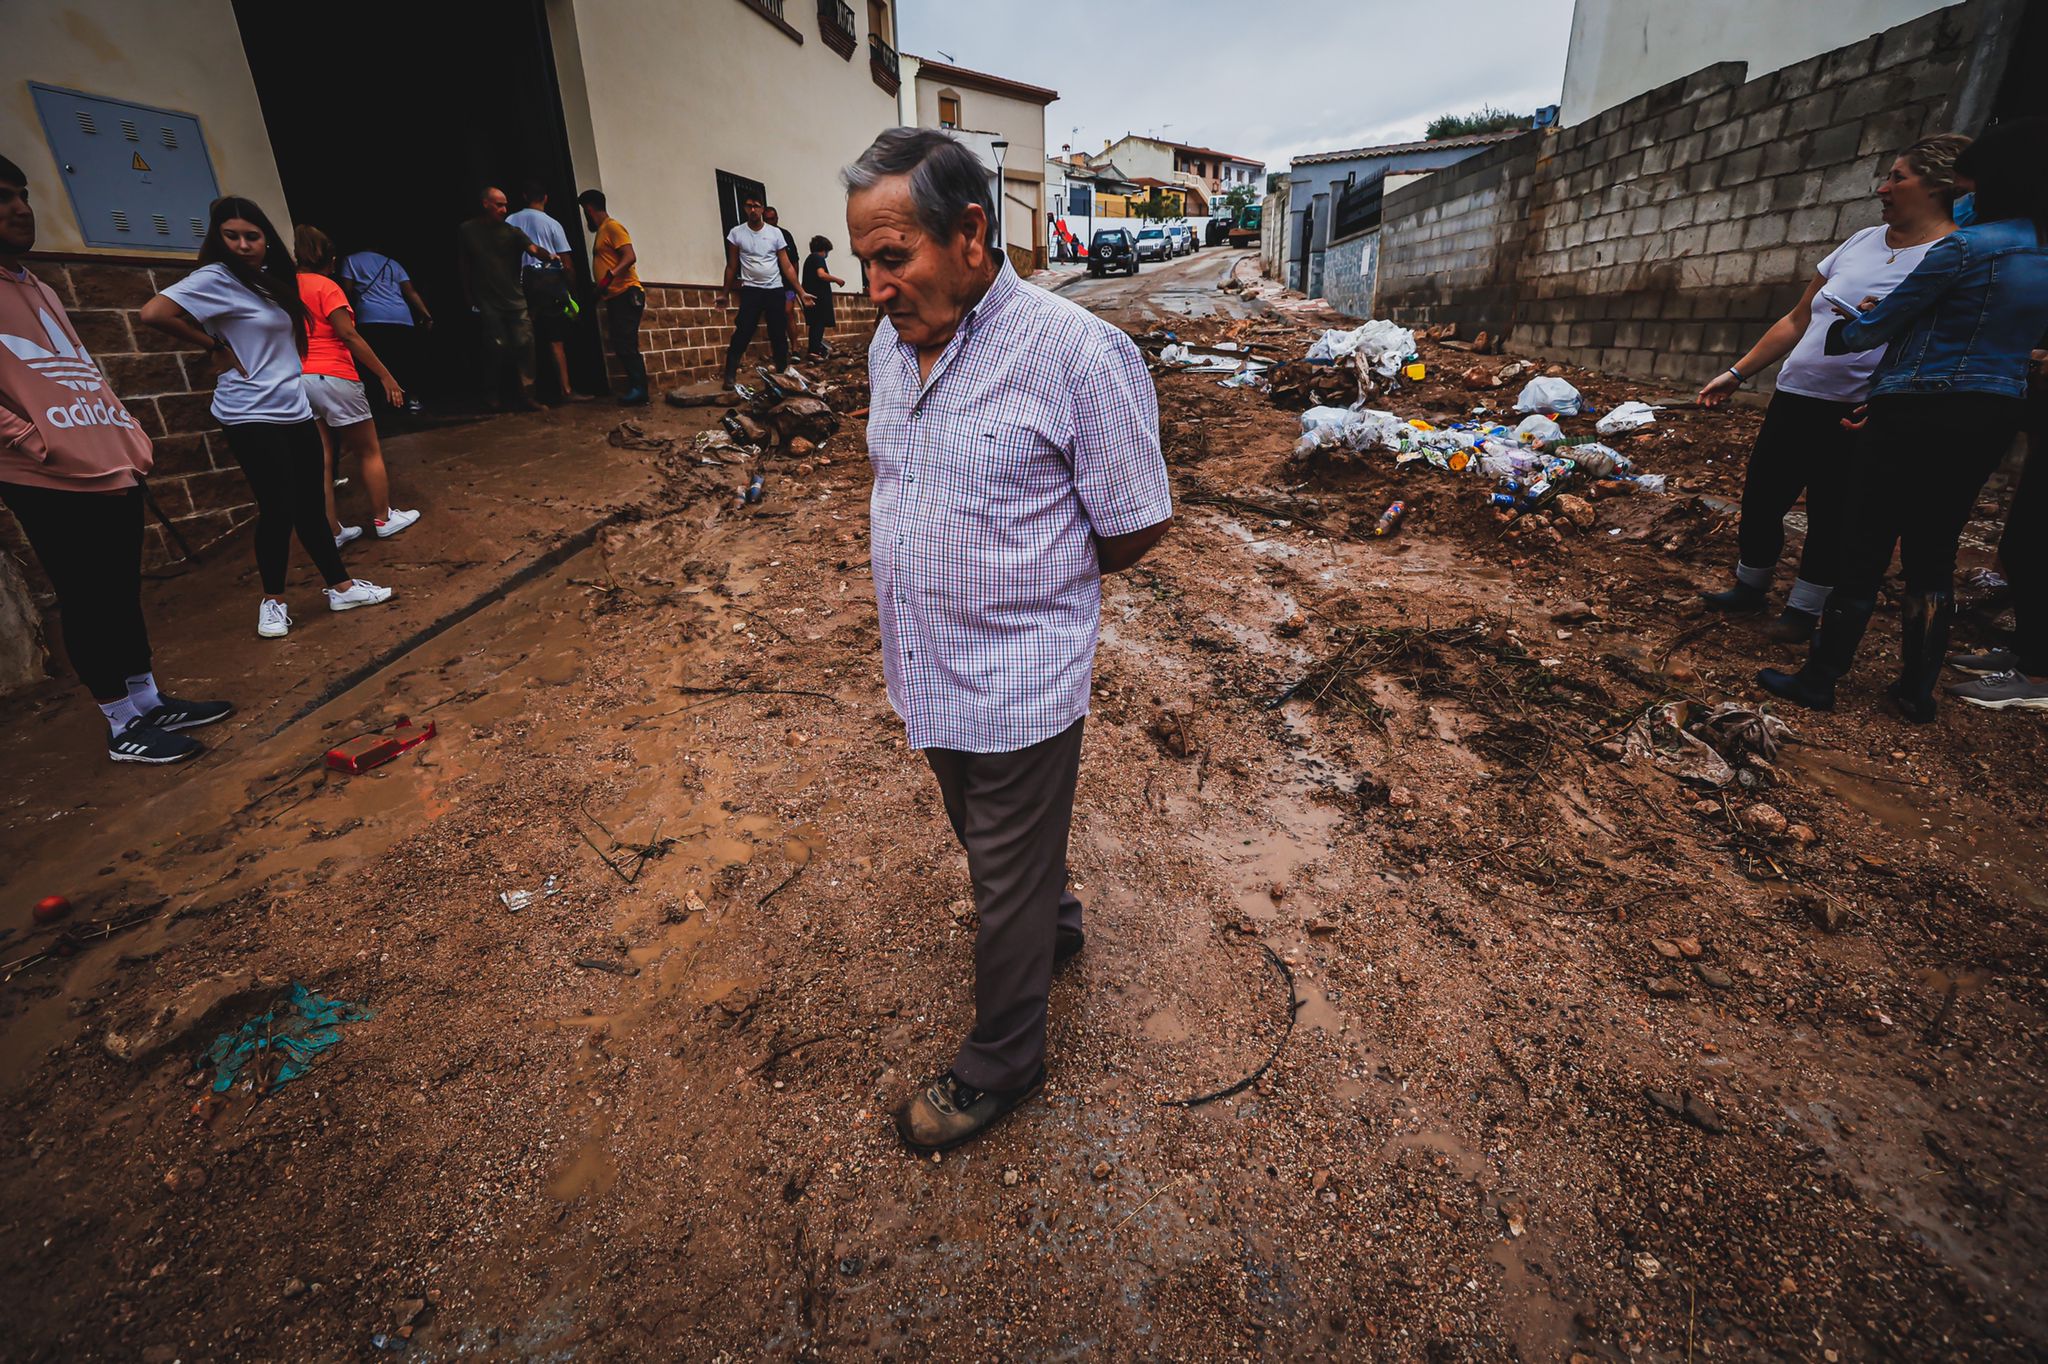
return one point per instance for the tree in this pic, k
(1487, 120)
(1234, 199)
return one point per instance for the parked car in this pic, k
(1112, 248)
(1154, 244)
(1183, 238)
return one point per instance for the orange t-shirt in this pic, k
(324, 352)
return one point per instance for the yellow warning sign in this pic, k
(138, 163)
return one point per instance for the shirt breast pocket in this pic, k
(1014, 467)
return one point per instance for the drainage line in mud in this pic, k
(546, 563)
(1294, 1003)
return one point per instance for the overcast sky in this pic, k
(1262, 78)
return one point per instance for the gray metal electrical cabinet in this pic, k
(138, 177)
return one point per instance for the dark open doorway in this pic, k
(386, 128)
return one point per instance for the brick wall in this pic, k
(1349, 270)
(687, 327)
(196, 480)
(1660, 237)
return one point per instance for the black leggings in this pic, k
(90, 546)
(285, 470)
(1801, 448)
(1926, 457)
(756, 304)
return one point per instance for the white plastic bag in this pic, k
(1630, 416)
(1537, 429)
(1602, 461)
(1383, 345)
(1549, 395)
(1360, 429)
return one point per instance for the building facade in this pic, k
(1203, 170)
(1317, 190)
(130, 116)
(981, 110)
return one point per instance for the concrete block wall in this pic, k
(1660, 238)
(1451, 244)
(1350, 267)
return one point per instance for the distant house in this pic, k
(1203, 170)
(982, 110)
(1340, 189)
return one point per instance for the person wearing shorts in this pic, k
(334, 386)
(549, 304)
(488, 254)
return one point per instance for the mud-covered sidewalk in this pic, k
(1558, 1055)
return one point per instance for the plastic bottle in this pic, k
(1389, 519)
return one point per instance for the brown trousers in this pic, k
(1011, 812)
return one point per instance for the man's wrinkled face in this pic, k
(494, 203)
(923, 285)
(17, 220)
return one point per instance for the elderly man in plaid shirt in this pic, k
(1015, 441)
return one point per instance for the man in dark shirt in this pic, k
(488, 251)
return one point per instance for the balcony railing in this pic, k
(835, 22)
(771, 10)
(882, 63)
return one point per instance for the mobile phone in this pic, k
(1840, 304)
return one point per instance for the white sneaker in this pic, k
(272, 620)
(347, 534)
(394, 521)
(359, 592)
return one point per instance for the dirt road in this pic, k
(1164, 292)
(1557, 1055)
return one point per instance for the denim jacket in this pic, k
(1965, 320)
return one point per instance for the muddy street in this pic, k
(1558, 1055)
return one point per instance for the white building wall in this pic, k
(672, 94)
(1620, 48)
(186, 57)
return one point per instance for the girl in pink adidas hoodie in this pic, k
(71, 463)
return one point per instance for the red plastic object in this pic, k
(359, 755)
(51, 908)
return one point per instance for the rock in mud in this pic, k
(1575, 510)
(1764, 820)
(1714, 977)
(1665, 987)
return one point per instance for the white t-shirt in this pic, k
(758, 267)
(260, 335)
(1860, 268)
(543, 232)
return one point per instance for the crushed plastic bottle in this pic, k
(1389, 519)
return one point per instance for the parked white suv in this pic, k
(1154, 244)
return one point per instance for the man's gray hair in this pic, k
(945, 177)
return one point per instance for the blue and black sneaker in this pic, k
(172, 713)
(141, 743)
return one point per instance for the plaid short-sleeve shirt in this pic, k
(1037, 432)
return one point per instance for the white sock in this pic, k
(1752, 577)
(119, 713)
(1807, 597)
(143, 694)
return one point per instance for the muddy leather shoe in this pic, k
(1066, 945)
(1792, 627)
(947, 1112)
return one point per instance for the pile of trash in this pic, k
(1528, 465)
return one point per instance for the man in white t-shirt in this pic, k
(758, 267)
(547, 282)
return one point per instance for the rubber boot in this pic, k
(1924, 621)
(1740, 597)
(1830, 657)
(1792, 626)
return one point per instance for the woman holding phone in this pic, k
(1949, 398)
(1804, 445)
(242, 307)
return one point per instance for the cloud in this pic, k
(1268, 81)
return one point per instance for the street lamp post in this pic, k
(1000, 146)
